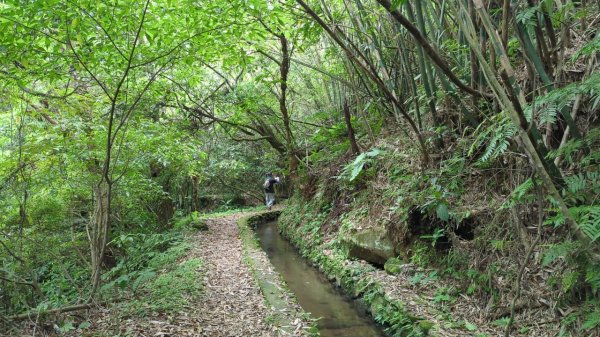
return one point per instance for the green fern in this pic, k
(592, 320)
(592, 158)
(575, 183)
(592, 277)
(561, 250)
(570, 280)
(528, 17)
(588, 219)
(495, 138)
(562, 97)
(548, 113)
(351, 171)
(588, 49)
(519, 195)
(567, 151)
(594, 181)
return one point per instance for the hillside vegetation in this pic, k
(447, 149)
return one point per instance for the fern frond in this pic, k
(562, 97)
(519, 195)
(592, 320)
(588, 219)
(592, 277)
(548, 113)
(561, 250)
(495, 137)
(575, 183)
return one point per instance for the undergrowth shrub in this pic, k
(170, 291)
(149, 269)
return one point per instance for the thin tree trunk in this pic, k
(353, 145)
(98, 230)
(425, 72)
(195, 194)
(541, 41)
(505, 19)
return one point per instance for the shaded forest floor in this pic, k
(230, 303)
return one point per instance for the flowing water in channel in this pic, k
(339, 316)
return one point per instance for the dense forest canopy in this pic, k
(120, 118)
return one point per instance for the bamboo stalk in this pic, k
(425, 73)
(536, 160)
(548, 83)
(360, 61)
(428, 49)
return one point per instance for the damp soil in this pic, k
(337, 314)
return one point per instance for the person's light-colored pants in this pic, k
(270, 199)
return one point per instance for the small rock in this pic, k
(199, 224)
(393, 265)
(425, 325)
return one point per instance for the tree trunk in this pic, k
(284, 69)
(353, 145)
(98, 230)
(195, 194)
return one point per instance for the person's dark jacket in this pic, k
(270, 188)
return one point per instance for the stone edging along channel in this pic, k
(357, 283)
(286, 310)
(349, 276)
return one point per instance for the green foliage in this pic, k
(443, 295)
(562, 250)
(477, 281)
(559, 98)
(396, 4)
(185, 221)
(570, 280)
(503, 322)
(436, 199)
(588, 49)
(171, 291)
(592, 277)
(588, 220)
(437, 234)
(334, 138)
(592, 320)
(572, 148)
(353, 170)
(151, 270)
(521, 194)
(495, 137)
(141, 249)
(470, 326)
(187, 109)
(60, 279)
(528, 16)
(423, 278)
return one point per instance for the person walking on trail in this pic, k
(269, 184)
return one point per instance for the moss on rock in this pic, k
(370, 244)
(393, 265)
(199, 224)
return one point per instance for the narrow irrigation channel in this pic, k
(338, 315)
